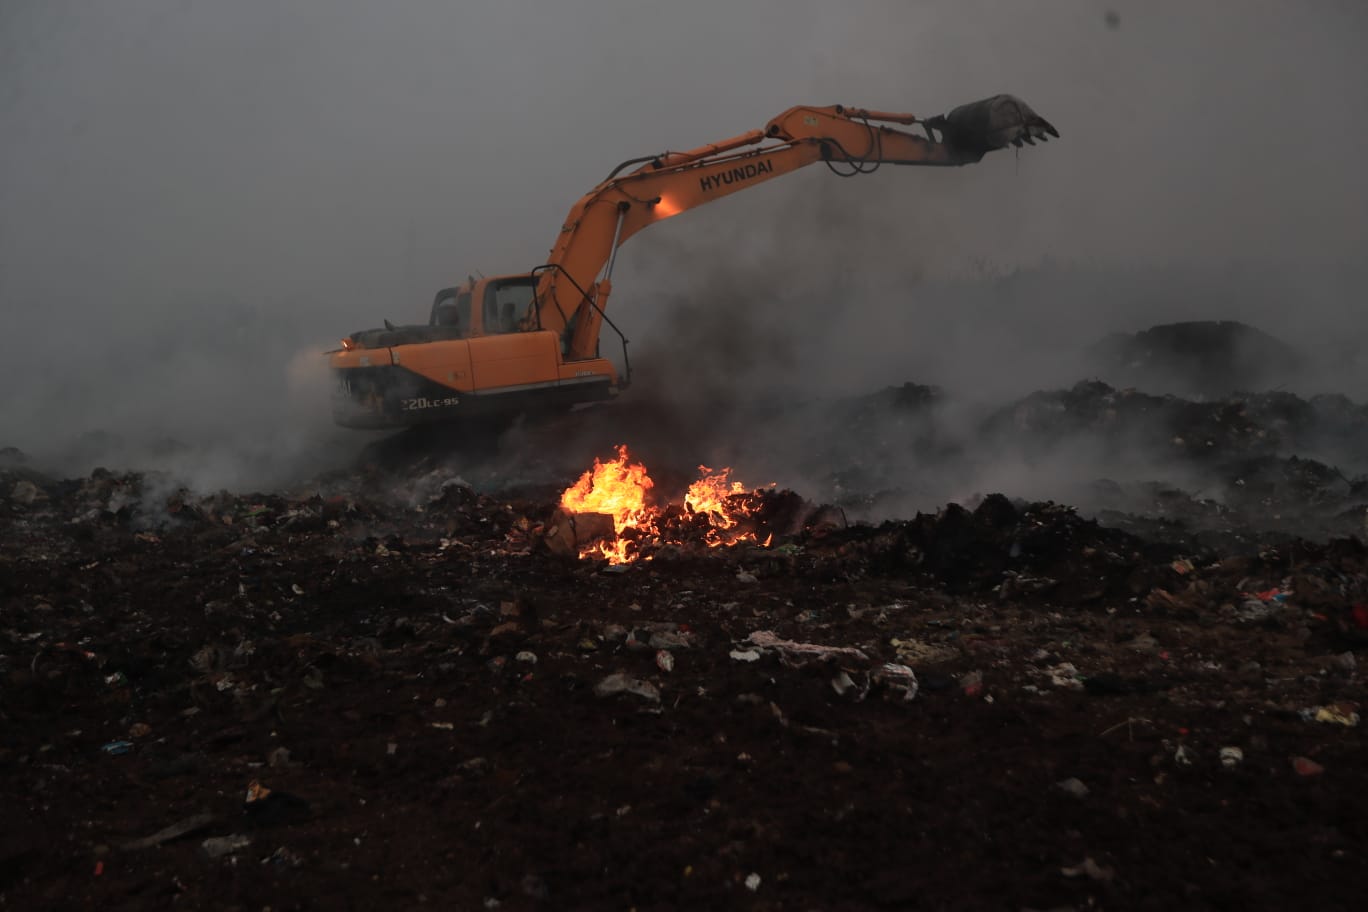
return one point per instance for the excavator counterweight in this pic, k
(530, 342)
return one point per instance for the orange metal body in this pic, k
(535, 338)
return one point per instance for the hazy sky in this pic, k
(195, 195)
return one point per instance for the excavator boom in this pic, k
(516, 342)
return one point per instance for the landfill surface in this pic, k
(389, 688)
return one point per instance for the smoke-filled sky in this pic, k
(196, 197)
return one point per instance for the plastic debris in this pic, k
(767, 640)
(898, 679)
(744, 655)
(1065, 675)
(1337, 714)
(842, 684)
(972, 683)
(664, 660)
(1090, 868)
(218, 846)
(1231, 757)
(116, 748)
(1073, 786)
(753, 882)
(622, 683)
(1305, 766)
(671, 639)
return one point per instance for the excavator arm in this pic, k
(574, 285)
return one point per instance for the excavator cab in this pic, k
(468, 361)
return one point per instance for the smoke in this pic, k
(196, 200)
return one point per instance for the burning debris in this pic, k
(715, 512)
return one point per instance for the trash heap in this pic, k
(392, 690)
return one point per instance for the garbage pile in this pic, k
(1200, 357)
(392, 687)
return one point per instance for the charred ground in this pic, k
(1149, 705)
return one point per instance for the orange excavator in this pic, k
(528, 343)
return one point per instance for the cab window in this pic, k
(506, 304)
(453, 310)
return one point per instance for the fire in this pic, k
(620, 489)
(617, 489)
(714, 496)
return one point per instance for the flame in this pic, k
(619, 488)
(709, 494)
(715, 497)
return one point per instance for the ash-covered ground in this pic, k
(1089, 648)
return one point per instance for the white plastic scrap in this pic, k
(753, 882)
(898, 678)
(842, 684)
(1065, 675)
(765, 639)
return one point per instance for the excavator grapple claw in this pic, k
(993, 123)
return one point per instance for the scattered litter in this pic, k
(744, 655)
(1073, 786)
(1305, 766)
(218, 846)
(1231, 757)
(898, 679)
(753, 882)
(1337, 714)
(117, 748)
(767, 640)
(1065, 675)
(1182, 756)
(527, 658)
(972, 683)
(664, 660)
(842, 684)
(623, 683)
(1090, 868)
(671, 639)
(919, 652)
